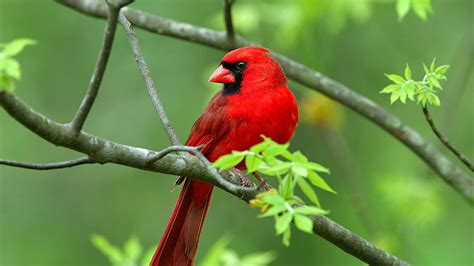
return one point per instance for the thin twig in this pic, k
(48, 166)
(132, 37)
(229, 25)
(170, 149)
(445, 140)
(302, 74)
(86, 105)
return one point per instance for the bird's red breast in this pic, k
(255, 101)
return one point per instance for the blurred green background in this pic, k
(386, 193)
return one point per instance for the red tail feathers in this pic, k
(180, 240)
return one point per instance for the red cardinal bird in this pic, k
(254, 101)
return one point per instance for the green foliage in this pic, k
(9, 67)
(291, 170)
(404, 88)
(420, 7)
(128, 256)
(220, 254)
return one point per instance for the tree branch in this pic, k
(229, 25)
(86, 105)
(105, 151)
(48, 166)
(445, 168)
(445, 140)
(132, 38)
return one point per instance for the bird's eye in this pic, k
(240, 66)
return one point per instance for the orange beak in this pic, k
(222, 75)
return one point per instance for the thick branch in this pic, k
(150, 85)
(86, 105)
(105, 151)
(48, 166)
(455, 177)
(445, 140)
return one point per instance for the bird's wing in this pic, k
(209, 129)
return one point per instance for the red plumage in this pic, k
(255, 101)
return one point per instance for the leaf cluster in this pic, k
(9, 67)
(291, 169)
(404, 88)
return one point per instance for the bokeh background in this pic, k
(386, 193)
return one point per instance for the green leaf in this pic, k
(283, 222)
(275, 149)
(316, 167)
(113, 253)
(228, 161)
(258, 148)
(280, 168)
(15, 47)
(442, 69)
(286, 237)
(403, 6)
(410, 87)
(403, 97)
(395, 78)
(433, 99)
(390, 88)
(318, 181)
(299, 157)
(304, 223)
(434, 81)
(286, 187)
(427, 71)
(274, 211)
(407, 72)
(421, 8)
(275, 200)
(433, 64)
(394, 97)
(299, 170)
(252, 162)
(308, 191)
(133, 249)
(257, 259)
(310, 210)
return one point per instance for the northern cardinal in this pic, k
(254, 101)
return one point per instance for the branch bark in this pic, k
(312, 79)
(105, 151)
(48, 166)
(445, 140)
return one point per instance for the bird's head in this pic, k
(248, 68)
